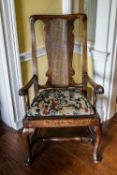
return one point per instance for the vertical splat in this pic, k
(59, 46)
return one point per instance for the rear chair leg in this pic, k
(98, 134)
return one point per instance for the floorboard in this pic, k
(58, 158)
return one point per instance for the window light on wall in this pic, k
(90, 8)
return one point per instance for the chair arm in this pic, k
(98, 89)
(24, 90)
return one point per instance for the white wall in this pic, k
(103, 52)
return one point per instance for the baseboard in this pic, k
(18, 125)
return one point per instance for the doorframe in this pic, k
(12, 60)
(113, 84)
(66, 6)
(5, 84)
(106, 29)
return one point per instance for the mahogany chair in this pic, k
(61, 102)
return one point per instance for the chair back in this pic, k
(59, 44)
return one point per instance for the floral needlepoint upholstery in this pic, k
(60, 102)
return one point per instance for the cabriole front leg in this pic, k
(26, 133)
(98, 134)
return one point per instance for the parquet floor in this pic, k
(58, 158)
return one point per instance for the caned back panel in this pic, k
(59, 43)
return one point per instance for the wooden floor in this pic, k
(66, 158)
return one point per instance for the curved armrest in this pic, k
(98, 89)
(24, 90)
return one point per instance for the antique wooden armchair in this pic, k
(60, 102)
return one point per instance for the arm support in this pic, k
(24, 90)
(98, 89)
